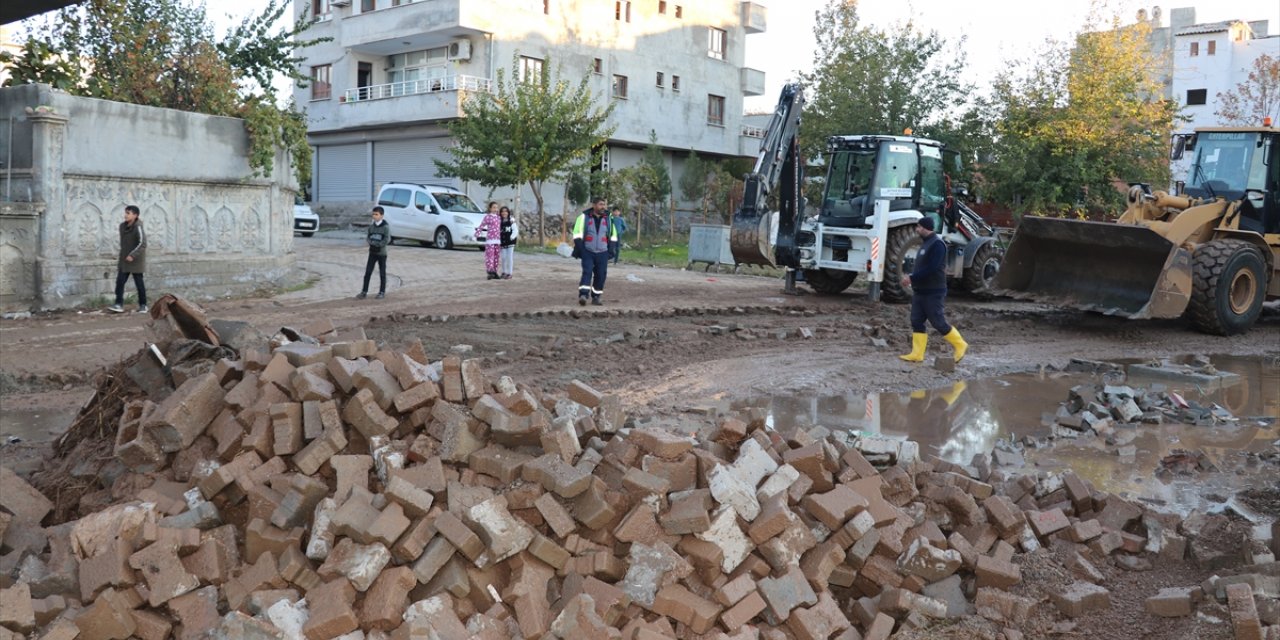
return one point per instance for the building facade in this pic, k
(397, 70)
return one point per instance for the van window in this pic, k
(394, 198)
(456, 202)
(421, 201)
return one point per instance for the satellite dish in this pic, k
(1156, 13)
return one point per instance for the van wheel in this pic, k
(979, 277)
(444, 240)
(829, 281)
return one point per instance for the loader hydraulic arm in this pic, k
(753, 238)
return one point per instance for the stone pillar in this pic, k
(48, 139)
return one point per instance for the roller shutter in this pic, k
(410, 161)
(342, 173)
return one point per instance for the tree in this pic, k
(871, 80)
(163, 53)
(705, 182)
(651, 182)
(1256, 98)
(528, 131)
(1071, 122)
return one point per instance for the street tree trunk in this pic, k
(536, 186)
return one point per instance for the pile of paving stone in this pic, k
(322, 487)
(1101, 408)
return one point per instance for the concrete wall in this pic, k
(212, 229)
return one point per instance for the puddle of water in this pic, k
(959, 421)
(39, 417)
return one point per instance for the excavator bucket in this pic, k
(751, 238)
(1113, 269)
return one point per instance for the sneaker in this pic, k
(381, 295)
(116, 308)
(361, 296)
(582, 300)
(597, 302)
(142, 309)
(506, 276)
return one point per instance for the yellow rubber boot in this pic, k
(957, 343)
(918, 343)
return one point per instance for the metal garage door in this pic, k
(410, 161)
(343, 173)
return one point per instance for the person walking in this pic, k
(620, 227)
(594, 239)
(378, 235)
(510, 234)
(132, 260)
(490, 233)
(928, 282)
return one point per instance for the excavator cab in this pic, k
(861, 169)
(1239, 165)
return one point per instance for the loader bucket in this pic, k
(1113, 269)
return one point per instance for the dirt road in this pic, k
(667, 339)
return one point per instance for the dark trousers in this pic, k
(381, 261)
(595, 266)
(121, 278)
(928, 306)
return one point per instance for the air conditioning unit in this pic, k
(340, 3)
(460, 49)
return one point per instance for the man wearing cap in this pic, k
(928, 282)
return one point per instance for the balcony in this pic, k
(751, 82)
(417, 87)
(754, 17)
(749, 141)
(409, 26)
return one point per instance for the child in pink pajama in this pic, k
(491, 230)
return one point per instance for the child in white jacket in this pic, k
(510, 232)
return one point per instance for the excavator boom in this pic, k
(759, 236)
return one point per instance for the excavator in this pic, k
(1210, 253)
(877, 187)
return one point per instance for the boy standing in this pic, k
(378, 235)
(619, 228)
(133, 259)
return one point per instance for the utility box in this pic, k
(709, 243)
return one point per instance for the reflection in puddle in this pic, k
(960, 421)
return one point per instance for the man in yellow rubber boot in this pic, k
(928, 282)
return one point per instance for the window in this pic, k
(417, 71)
(622, 10)
(660, 79)
(367, 6)
(1195, 49)
(675, 84)
(715, 43)
(620, 87)
(420, 201)
(321, 82)
(679, 11)
(530, 68)
(394, 198)
(597, 66)
(662, 7)
(1196, 96)
(319, 8)
(715, 110)
(1213, 47)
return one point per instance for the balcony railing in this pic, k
(749, 131)
(417, 87)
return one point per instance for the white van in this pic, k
(436, 216)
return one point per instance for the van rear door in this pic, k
(399, 214)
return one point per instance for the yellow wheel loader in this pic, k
(1211, 254)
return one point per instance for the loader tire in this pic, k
(829, 281)
(979, 277)
(1228, 286)
(903, 243)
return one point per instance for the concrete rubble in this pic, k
(335, 488)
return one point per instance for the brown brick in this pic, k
(386, 600)
(820, 621)
(460, 536)
(197, 612)
(682, 605)
(1244, 612)
(295, 568)
(1004, 514)
(150, 625)
(786, 592)
(658, 442)
(312, 382)
(183, 416)
(1080, 598)
(331, 613)
(474, 383)
(743, 611)
(881, 571)
(499, 462)
(259, 575)
(109, 567)
(594, 508)
(993, 572)
(359, 563)
(389, 525)
(165, 576)
(583, 394)
(438, 552)
(415, 501)
(527, 590)
(423, 394)
(364, 413)
(353, 471)
(775, 516)
(1002, 606)
(556, 516)
(16, 611)
(1047, 523)
(107, 618)
(1084, 531)
(549, 552)
(682, 472)
(1170, 603)
(734, 590)
(639, 483)
(286, 425)
(415, 539)
(834, 507)
(880, 629)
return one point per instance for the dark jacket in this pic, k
(378, 236)
(930, 275)
(509, 231)
(133, 242)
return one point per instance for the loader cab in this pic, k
(907, 171)
(1239, 164)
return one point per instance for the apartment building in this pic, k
(397, 70)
